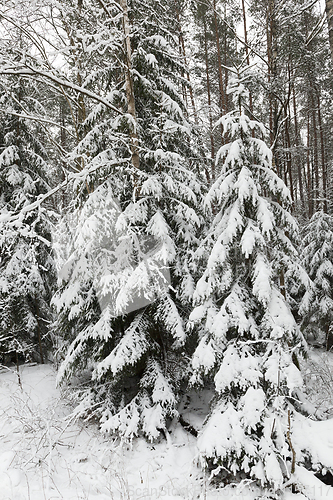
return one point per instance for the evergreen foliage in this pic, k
(27, 272)
(248, 335)
(154, 297)
(317, 252)
(120, 316)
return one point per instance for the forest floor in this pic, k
(47, 455)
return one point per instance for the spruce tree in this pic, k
(27, 272)
(247, 334)
(127, 282)
(317, 252)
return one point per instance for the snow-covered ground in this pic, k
(45, 455)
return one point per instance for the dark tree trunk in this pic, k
(329, 15)
(247, 54)
(183, 54)
(323, 155)
(219, 61)
(298, 159)
(315, 153)
(308, 168)
(288, 160)
(212, 146)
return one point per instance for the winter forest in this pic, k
(166, 231)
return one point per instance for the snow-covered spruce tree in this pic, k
(248, 335)
(133, 230)
(27, 272)
(317, 256)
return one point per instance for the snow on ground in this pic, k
(318, 376)
(46, 455)
(311, 486)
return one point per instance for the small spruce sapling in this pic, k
(248, 334)
(317, 251)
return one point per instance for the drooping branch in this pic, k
(31, 72)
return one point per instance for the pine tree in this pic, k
(247, 334)
(317, 251)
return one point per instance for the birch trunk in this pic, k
(134, 140)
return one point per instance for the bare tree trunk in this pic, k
(329, 337)
(183, 53)
(18, 370)
(134, 140)
(288, 160)
(315, 152)
(298, 160)
(269, 59)
(219, 61)
(272, 66)
(309, 174)
(329, 15)
(180, 49)
(39, 334)
(226, 75)
(323, 156)
(247, 54)
(212, 146)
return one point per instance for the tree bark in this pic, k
(329, 338)
(247, 55)
(219, 61)
(39, 334)
(183, 54)
(323, 156)
(315, 153)
(308, 168)
(329, 15)
(212, 146)
(288, 160)
(134, 139)
(298, 159)
(272, 67)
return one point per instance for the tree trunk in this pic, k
(323, 156)
(329, 15)
(298, 159)
(272, 67)
(134, 140)
(329, 338)
(247, 56)
(315, 153)
(308, 168)
(288, 160)
(39, 334)
(183, 54)
(226, 75)
(212, 146)
(219, 61)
